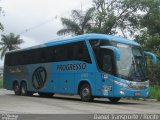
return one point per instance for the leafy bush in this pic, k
(154, 74)
(154, 92)
(158, 95)
(1, 83)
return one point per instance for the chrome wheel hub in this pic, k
(85, 92)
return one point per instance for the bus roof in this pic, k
(83, 37)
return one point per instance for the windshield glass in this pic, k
(132, 65)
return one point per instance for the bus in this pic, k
(89, 65)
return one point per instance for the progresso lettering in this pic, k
(80, 66)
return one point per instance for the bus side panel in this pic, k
(86, 75)
(7, 79)
(35, 75)
(13, 73)
(65, 76)
(98, 82)
(64, 83)
(59, 80)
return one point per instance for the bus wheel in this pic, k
(46, 94)
(24, 89)
(85, 93)
(16, 88)
(114, 99)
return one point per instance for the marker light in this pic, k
(122, 92)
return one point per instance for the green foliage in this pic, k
(128, 16)
(9, 42)
(158, 95)
(154, 92)
(117, 14)
(154, 73)
(1, 83)
(151, 43)
(151, 20)
(79, 24)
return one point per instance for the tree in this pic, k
(9, 42)
(151, 20)
(149, 37)
(79, 24)
(118, 15)
(1, 26)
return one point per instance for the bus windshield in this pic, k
(132, 65)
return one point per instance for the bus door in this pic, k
(105, 60)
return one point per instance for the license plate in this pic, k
(137, 93)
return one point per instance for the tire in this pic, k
(16, 88)
(114, 99)
(49, 95)
(23, 90)
(85, 93)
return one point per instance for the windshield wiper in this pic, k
(140, 65)
(131, 71)
(124, 76)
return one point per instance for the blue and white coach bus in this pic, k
(91, 65)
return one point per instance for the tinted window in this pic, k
(80, 52)
(61, 53)
(104, 57)
(72, 51)
(97, 43)
(65, 52)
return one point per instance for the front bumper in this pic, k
(123, 88)
(130, 93)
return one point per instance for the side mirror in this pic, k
(154, 58)
(114, 49)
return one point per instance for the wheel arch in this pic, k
(23, 81)
(83, 82)
(15, 81)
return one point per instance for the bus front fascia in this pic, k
(115, 50)
(153, 56)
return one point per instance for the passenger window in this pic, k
(60, 53)
(72, 51)
(81, 52)
(64, 52)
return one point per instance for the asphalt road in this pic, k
(59, 104)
